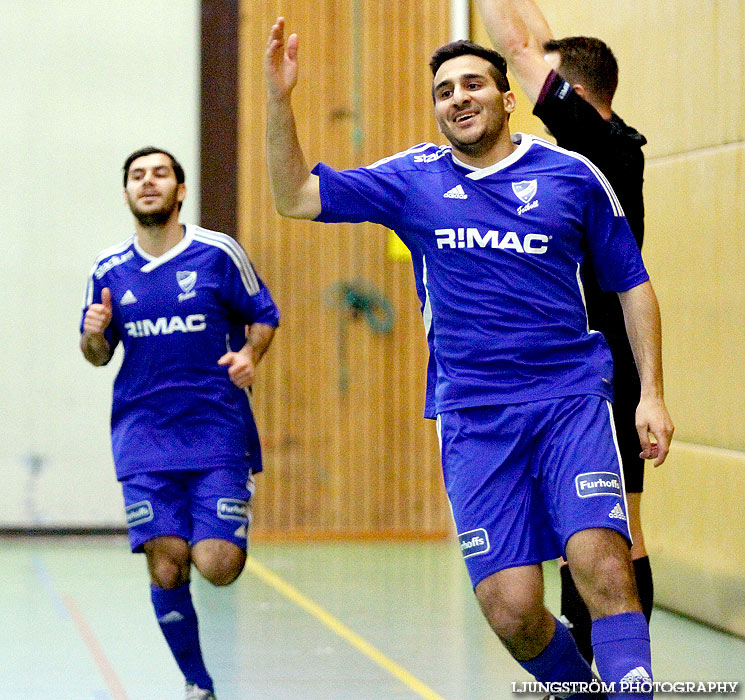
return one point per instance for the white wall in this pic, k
(83, 83)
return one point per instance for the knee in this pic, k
(169, 571)
(614, 588)
(168, 561)
(221, 570)
(514, 618)
(220, 574)
(606, 581)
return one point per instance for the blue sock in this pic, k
(178, 621)
(561, 661)
(622, 653)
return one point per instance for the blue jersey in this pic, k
(173, 406)
(502, 251)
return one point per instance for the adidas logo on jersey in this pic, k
(128, 298)
(456, 193)
(617, 512)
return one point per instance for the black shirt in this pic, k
(616, 149)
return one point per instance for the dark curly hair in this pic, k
(463, 47)
(149, 150)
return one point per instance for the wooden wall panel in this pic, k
(360, 461)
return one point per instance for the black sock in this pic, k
(644, 583)
(573, 608)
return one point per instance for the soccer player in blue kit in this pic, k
(571, 83)
(194, 319)
(523, 390)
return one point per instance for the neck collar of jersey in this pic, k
(180, 247)
(522, 141)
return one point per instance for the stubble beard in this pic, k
(157, 218)
(475, 148)
(154, 218)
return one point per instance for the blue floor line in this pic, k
(47, 582)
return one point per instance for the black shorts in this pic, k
(627, 392)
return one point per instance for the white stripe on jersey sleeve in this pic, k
(617, 208)
(106, 253)
(581, 288)
(88, 293)
(582, 293)
(427, 310)
(113, 250)
(403, 154)
(236, 253)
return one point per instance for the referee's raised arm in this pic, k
(518, 31)
(294, 188)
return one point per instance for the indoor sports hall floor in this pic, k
(373, 621)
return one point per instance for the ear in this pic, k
(510, 101)
(181, 192)
(124, 196)
(580, 89)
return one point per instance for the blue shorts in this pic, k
(191, 504)
(523, 478)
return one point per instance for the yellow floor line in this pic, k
(341, 630)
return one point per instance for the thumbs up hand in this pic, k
(98, 316)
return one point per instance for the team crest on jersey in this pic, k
(525, 191)
(186, 280)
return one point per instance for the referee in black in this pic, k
(571, 82)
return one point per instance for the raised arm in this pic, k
(518, 31)
(294, 188)
(534, 20)
(641, 314)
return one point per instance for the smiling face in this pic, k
(470, 110)
(152, 191)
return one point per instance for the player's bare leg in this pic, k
(512, 602)
(601, 565)
(572, 605)
(219, 561)
(169, 563)
(602, 569)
